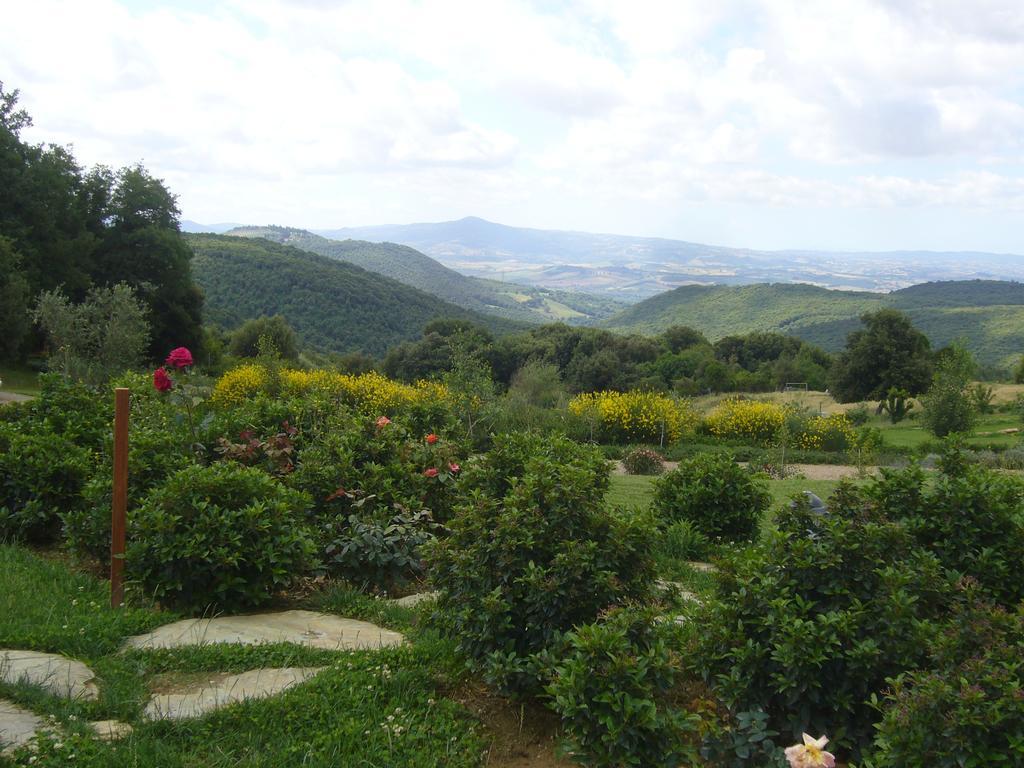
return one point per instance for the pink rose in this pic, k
(454, 468)
(161, 381)
(382, 422)
(432, 472)
(179, 358)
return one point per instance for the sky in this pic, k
(830, 124)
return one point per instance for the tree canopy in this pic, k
(887, 352)
(64, 228)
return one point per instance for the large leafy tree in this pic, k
(70, 230)
(143, 247)
(887, 352)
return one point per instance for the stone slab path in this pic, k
(317, 630)
(17, 726)
(221, 690)
(59, 675)
(411, 601)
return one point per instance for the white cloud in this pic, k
(322, 113)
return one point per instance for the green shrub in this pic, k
(383, 551)
(613, 690)
(41, 475)
(78, 413)
(970, 518)
(153, 455)
(643, 461)
(715, 494)
(534, 553)
(223, 535)
(812, 622)
(969, 709)
(858, 415)
(682, 541)
(355, 460)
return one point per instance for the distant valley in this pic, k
(634, 268)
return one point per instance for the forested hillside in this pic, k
(989, 314)
(409, 266)
(333, 306)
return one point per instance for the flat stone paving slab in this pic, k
(411, 601)
(58, 674)
(221, 690)
(110, 730)
(17, 726)
(318, 630)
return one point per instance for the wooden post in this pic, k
(120, 506)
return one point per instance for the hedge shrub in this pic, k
(533, 554)
(224, 535)
(714, 494)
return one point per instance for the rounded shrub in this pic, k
(224, 535)
(635, 417)
(713, 493)
(613, 688)
(814, 621)
(534, 553)
(643, 461)
(968, 709)
(754, 420)
(41, 475)
(969, 517)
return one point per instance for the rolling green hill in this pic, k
(989, 314)
(332, 305)
(407, 265)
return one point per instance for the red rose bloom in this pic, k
(382, 422)
(454, 468)
(432, 472)
(431, 438)
(179, 358)
(161, 381)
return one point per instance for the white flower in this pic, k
(810, 754)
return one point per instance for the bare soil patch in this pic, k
(522, 736)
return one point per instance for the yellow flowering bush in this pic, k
(424, 403)
(635, 417)
(826, 433)
(746, 419)
(240, 384)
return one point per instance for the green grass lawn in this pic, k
(344, 716)
(21, 380)
(911, 433)
(636, 491)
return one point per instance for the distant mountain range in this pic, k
(406, 265)
(634, 268)
(333, 306)
(988, 315)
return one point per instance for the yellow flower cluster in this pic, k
(746, 419)
(367, 392)
(635, 416)
(828, 433)
(239, 384)
(370, 393)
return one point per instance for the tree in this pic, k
(14, 298)
(949, 406)
(245, 342)
(102, 336)
(888, 352)
(143, 247)
(680, 337)
(469, 384)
